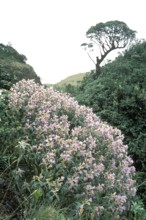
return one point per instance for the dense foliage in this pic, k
(8, 196)
(118, 96)
(62, 152)
(13, 67)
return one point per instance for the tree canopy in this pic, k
(107, 37)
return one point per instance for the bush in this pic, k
(66, 154)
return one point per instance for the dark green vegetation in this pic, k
(118, 96)
(13, 67)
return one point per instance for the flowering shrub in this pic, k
(79, 160)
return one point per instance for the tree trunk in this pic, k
(97, 67)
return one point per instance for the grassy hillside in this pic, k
(73, 80)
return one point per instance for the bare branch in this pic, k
(91, 58)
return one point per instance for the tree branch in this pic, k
(90, 57)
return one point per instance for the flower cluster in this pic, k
(80, 156)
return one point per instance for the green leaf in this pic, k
(37, 194)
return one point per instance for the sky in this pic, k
(49, 32)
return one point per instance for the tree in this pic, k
(107, 37)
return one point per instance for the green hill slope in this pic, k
(13, 67)
(73, 80)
